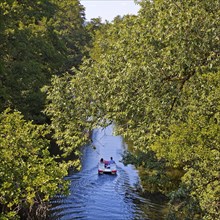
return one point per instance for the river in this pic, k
(100, 197)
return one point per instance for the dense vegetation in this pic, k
(38, 39)
(29, 175)
(156, 76)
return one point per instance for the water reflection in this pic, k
(94, 197)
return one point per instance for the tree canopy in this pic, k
(29, 175)
(38, 41)
(156, 76)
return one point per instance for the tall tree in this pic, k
(69, 25)
(29, 176)
(151, 74)
(38, 42)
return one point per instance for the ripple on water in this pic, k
(97, 197)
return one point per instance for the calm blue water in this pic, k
(100, 197)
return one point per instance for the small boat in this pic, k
(106, 167)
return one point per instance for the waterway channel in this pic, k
(101, 197)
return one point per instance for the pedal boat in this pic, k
(107, 168)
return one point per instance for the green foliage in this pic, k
(194, 143)
(69, 27)
(157, 77)
(38, 39)
(183, 206)
(28, 174)
(38, 42)
(155, 175)
(26, 45)
(92, 27)
(71, 128)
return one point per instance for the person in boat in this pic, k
(111, 161)
(102, 161)
(105, 162)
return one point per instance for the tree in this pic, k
(156, 76)
(70, 126)
(92, 27)
(38, 43)
(139, 76)
(29, 176)
(193, 142)
(69, 26)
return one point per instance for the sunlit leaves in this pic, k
(156, 76)
(28, 174)
(67, 119)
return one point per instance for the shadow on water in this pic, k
(94, 197)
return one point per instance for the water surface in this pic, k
(100, 197)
